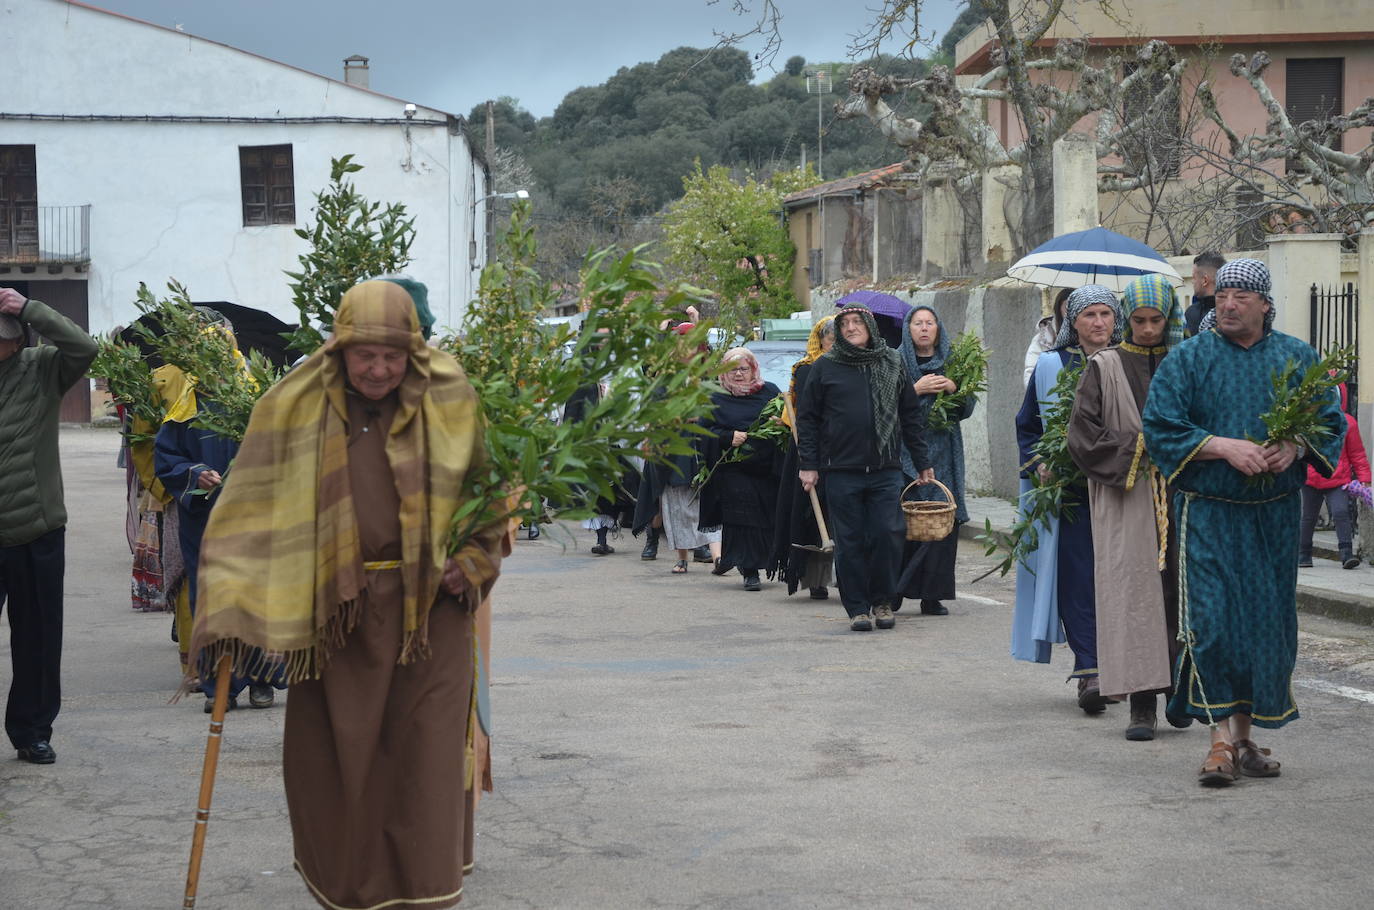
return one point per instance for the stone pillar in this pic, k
(1298, 261)
(1075, 183)
(942, 222)
(998, 246)
(1364, 407)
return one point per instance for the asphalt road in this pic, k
(676, 742)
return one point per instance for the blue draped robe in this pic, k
(1238, 539)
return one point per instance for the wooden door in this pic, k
(18, 204)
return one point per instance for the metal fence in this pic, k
(44, 234)
(1336, 324)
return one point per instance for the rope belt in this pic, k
(1159, 487)
(381, 565)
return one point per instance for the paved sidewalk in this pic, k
(1325, 589)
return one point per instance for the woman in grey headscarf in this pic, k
(1055, 586)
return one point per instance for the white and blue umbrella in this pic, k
(1095, 256)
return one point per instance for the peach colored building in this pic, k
(1322, 53)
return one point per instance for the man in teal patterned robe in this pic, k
(1236, 505)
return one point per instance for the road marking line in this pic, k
(1333, 689)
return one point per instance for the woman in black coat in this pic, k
(741, 496)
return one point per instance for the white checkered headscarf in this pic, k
(1082, 298)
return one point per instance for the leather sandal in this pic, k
(1254, 761)
(1219, 768)
(680, 567)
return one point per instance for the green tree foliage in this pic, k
(352, 240)
(728, 236)
(969, 18)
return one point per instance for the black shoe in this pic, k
(721, 567)
(1090, 697)
(260, 695)
(602, 549)
(933, 608)
(650, 550)
(231, 705)
(1143, 713)
(821, 593)
(1348, 559)
(702, 554)
(752, 583)
(40, 753)
(1305, 562)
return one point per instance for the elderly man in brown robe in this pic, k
(1135, 559)
(329, 551)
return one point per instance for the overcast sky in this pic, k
(453, 54)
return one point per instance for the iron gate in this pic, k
(1336, 324)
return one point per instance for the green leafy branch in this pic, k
(351, 240)
(524, 371)
(130, 382)
(967, 367)
(1299, 399)
(226, 387)
(1052, 498)
(766, 428)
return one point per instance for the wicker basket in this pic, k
(927, 521)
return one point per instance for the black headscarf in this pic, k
(883, 367)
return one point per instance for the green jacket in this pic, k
(32, 382)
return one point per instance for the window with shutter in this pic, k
(268, 182)
(1314, 90)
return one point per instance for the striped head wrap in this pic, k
(1244, 275)
(1156, 292)
(1080, 300)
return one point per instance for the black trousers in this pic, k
(31, 588)
(867, 524)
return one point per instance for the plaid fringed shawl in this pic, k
(281, 563)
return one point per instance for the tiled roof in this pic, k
(866, 180)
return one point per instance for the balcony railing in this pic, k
(45, 234)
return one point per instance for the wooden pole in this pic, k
(207, 780)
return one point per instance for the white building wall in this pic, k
(165, 196)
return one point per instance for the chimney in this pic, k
(355, 70)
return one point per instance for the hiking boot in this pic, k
(1142, 725)
(883, 618)
(1090, 697)
(650, 550)
(861, 623)
(260, 695)
(1348, 559)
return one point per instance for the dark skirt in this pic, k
(746, 546)
(928, 568)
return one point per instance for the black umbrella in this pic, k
(256, 330)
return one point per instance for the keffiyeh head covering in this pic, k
(1243, 275)
(741, 387)
(1155, 292)
(883, 367)
(1080, 300)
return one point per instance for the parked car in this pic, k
(776, 359)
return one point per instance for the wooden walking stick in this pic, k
(207, 779)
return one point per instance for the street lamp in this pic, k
(818, 84)
(472, 244)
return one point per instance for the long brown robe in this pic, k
(376, 754)
(1137, 599)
